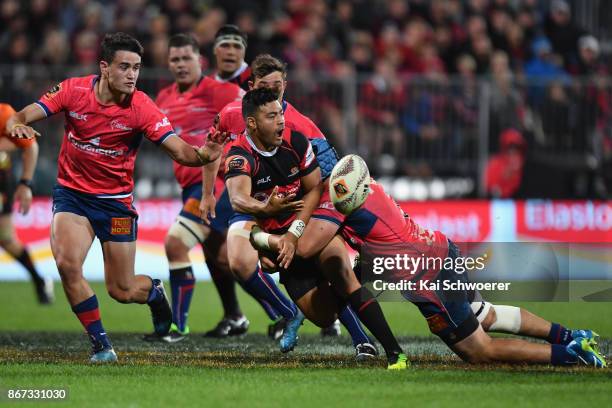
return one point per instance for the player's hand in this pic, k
(21, 131)
(287, 246)
(213, 146)
(23, 195)
(207, 208)
(267, 264)
(277, 205)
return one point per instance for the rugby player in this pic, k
(379, 221)
(23, 194)
(269, 72)
(191, 104)
(106, 118)
(229, 49)
(270, 163)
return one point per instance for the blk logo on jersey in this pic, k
(121, 226)
(78, 116)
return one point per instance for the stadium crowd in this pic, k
(416, 64)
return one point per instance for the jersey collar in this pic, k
(235, 75)
(262, 152)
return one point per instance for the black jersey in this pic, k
(283, 167)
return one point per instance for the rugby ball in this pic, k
(349, 184)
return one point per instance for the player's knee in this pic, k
(175, 248)
(489, 319)
(67, 266)
(242, 266)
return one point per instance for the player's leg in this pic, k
(449, 315)
(517, 320)
(234, 322)
(186, 232)
(11, 244)
(125, 286)
(71, 238)
(479, 347)
(244, 264)
(320, 230)
(336, 266)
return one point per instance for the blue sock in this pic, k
(353, 325)
(559, 335)
(267, 307)
(267, 291)
(89, 314)
(560, 356)
(182, 283)
(155, 293)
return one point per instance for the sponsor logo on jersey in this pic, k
(437, 323)
(115, 124)
(92, 146)
(53, 91)
(236, 163)
(121, 226)
(78, 116)
(294, 171)
(162, 123)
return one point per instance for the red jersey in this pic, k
(100, 141)
(283, 167)
(382, 226)
(192, 113)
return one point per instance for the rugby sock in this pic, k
(267, 290)
(25, 260)
(226, 287)
(182, 283)
(559, 335)
(349, 320)
(560, 356)
(88, 313)
(370, 313)
(267, 307)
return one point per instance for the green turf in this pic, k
(44, 347)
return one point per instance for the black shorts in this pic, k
(7, 189)
(302, 276)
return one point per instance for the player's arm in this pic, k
(23, 192)
(239, 190)
(17, 125)
(208, 201)
(193, 156)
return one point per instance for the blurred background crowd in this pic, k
(444, 98)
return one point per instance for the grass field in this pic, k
(43, 347)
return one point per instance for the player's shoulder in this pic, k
(77, 84)
(232, 108)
